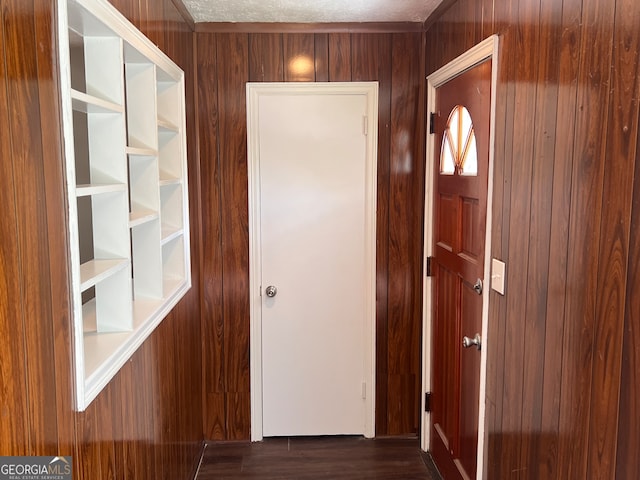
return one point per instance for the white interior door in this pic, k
(315, 233)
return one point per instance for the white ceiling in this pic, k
(310, 11)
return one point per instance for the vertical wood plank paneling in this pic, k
(486, 19)
(321, 62)
(118, 429)
(501, 211)
(13, 394)
(472, 27)
(568, 41)
(504, 164)
(130, 421)
(130, 9)
(266, 58)
(33, 255)
(48, 88)
(628, 443)
(299, 53)
(405, 242)
(141, 374)
(526, 73)
(543, 149)
(188, 388)
(340, 57)
(105, 434)
(40, 380)
(152, 18)
(167, 401)
(455, 40)
(382, 233)
(620, 154)
(586, 213)
(87, 463)
(212, 317)
(432, 53)
(369, 57)
(566, 106)
(370, 60)
(232, 52)
(179, 45)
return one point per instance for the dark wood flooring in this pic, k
(318, 457)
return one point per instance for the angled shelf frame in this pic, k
(123, 107)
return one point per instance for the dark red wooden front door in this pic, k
(462, 120)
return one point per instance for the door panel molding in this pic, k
(487, 49)
(370, 123)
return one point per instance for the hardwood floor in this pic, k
(318, 457)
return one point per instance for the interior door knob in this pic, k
(271, 291)
(468, 342)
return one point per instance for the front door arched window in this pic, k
(459, 153)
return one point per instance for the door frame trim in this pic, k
(254, 91)
(487, 49)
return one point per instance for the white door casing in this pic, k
(488, 48)
(312, 190)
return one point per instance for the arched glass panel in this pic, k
(459, 149)
(470, 162)
(447, 163)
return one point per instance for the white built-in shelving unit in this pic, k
(124, 124)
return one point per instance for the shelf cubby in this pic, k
(173, 263)
(171, 210)
(169, 156)
(143, 183)
(105, 268)
(147, 258)
(94, 59)
(125, 148)
(141, 112)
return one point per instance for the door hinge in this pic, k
(432, 122)
(365, 125)
(427, 402)
(364, 390)
(429, 267)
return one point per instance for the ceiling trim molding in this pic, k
(274, 27)
(184, 12)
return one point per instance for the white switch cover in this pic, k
(497, 275)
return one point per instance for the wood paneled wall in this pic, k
(563, 347)
(146, 424)
(226, 61)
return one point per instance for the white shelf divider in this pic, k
(141, 152)
(169, 234)
(83, 102)
(98, 189)
(94, 271)
(140, 217)
(169, 181)
(166, 126)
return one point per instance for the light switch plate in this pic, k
(497, 275)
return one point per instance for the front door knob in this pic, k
(478, 286)
(271, 291)
(468, 342)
